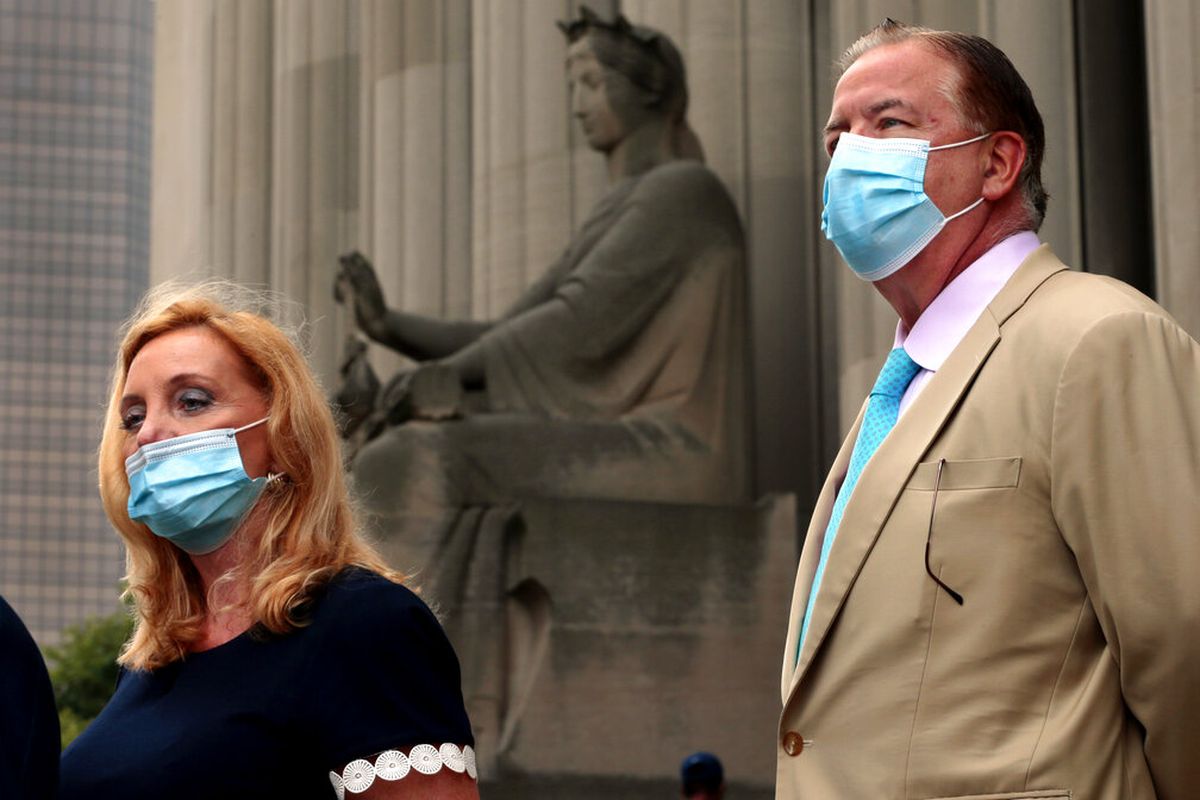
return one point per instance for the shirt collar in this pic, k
(946, 321)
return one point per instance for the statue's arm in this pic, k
(418, 337)
(425, 338)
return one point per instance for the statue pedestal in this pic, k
(633, 635)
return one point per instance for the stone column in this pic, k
(212, 123)
(415, 156)
(529, 189)
(241, 136)
(314, 161)
(1173, 75)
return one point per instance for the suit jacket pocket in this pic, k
(1037, 794)
(976, 473)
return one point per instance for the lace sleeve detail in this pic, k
(393, 765)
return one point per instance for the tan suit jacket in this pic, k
(1068, 517)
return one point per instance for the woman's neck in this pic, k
(227, 598)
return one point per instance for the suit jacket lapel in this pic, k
(811, 554)
(888, 471)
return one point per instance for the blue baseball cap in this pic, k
(701, 771)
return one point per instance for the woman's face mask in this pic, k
(192, 490)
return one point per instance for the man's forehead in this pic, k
(906, 76)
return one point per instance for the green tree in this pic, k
(84, 671)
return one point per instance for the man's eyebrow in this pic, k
(883, 105)
(834, 124)
(873, 110)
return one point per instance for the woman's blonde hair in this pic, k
(310, 529)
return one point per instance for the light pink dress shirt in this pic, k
(946, 321)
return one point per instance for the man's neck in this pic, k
(911, 290)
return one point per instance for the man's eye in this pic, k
(890, 122)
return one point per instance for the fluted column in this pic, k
(179, 200)
(528, 190)
(211, 176)
(1173, 77)
(315, 160)
(415, 155)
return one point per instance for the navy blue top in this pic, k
(28, 720)
(271, 716)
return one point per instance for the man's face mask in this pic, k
(876, 211)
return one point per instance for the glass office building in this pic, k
(75, 135)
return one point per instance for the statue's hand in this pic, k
(358, 389)
(356, 279)
(432, 391)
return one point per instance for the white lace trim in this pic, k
(392, 765)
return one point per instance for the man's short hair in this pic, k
(990, 95)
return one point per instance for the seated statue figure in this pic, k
(620, 373)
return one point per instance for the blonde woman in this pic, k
(275, 654)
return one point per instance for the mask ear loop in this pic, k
(236, 431)
(272, 477)
(978, 138)
(958, 214)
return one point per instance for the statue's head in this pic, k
(622, 76)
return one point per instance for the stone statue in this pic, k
(621, 372)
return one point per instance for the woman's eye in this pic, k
(132, 418)
(194, 400)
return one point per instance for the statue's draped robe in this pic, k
(619, 374)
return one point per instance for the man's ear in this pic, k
(1005, 155)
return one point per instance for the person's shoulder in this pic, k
(15, 639)
(360, 603)
(689, 192)
(367, 593)
(1099, 295)
(1070, 304)
(682, 177)
(8, 617)
(1074, 316)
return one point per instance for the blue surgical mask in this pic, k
(192, 490)
(876, 209)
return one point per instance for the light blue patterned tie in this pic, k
(882, 410)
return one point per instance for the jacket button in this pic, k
(793, 743)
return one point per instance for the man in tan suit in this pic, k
(998, 595)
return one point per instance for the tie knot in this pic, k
(898, 371)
